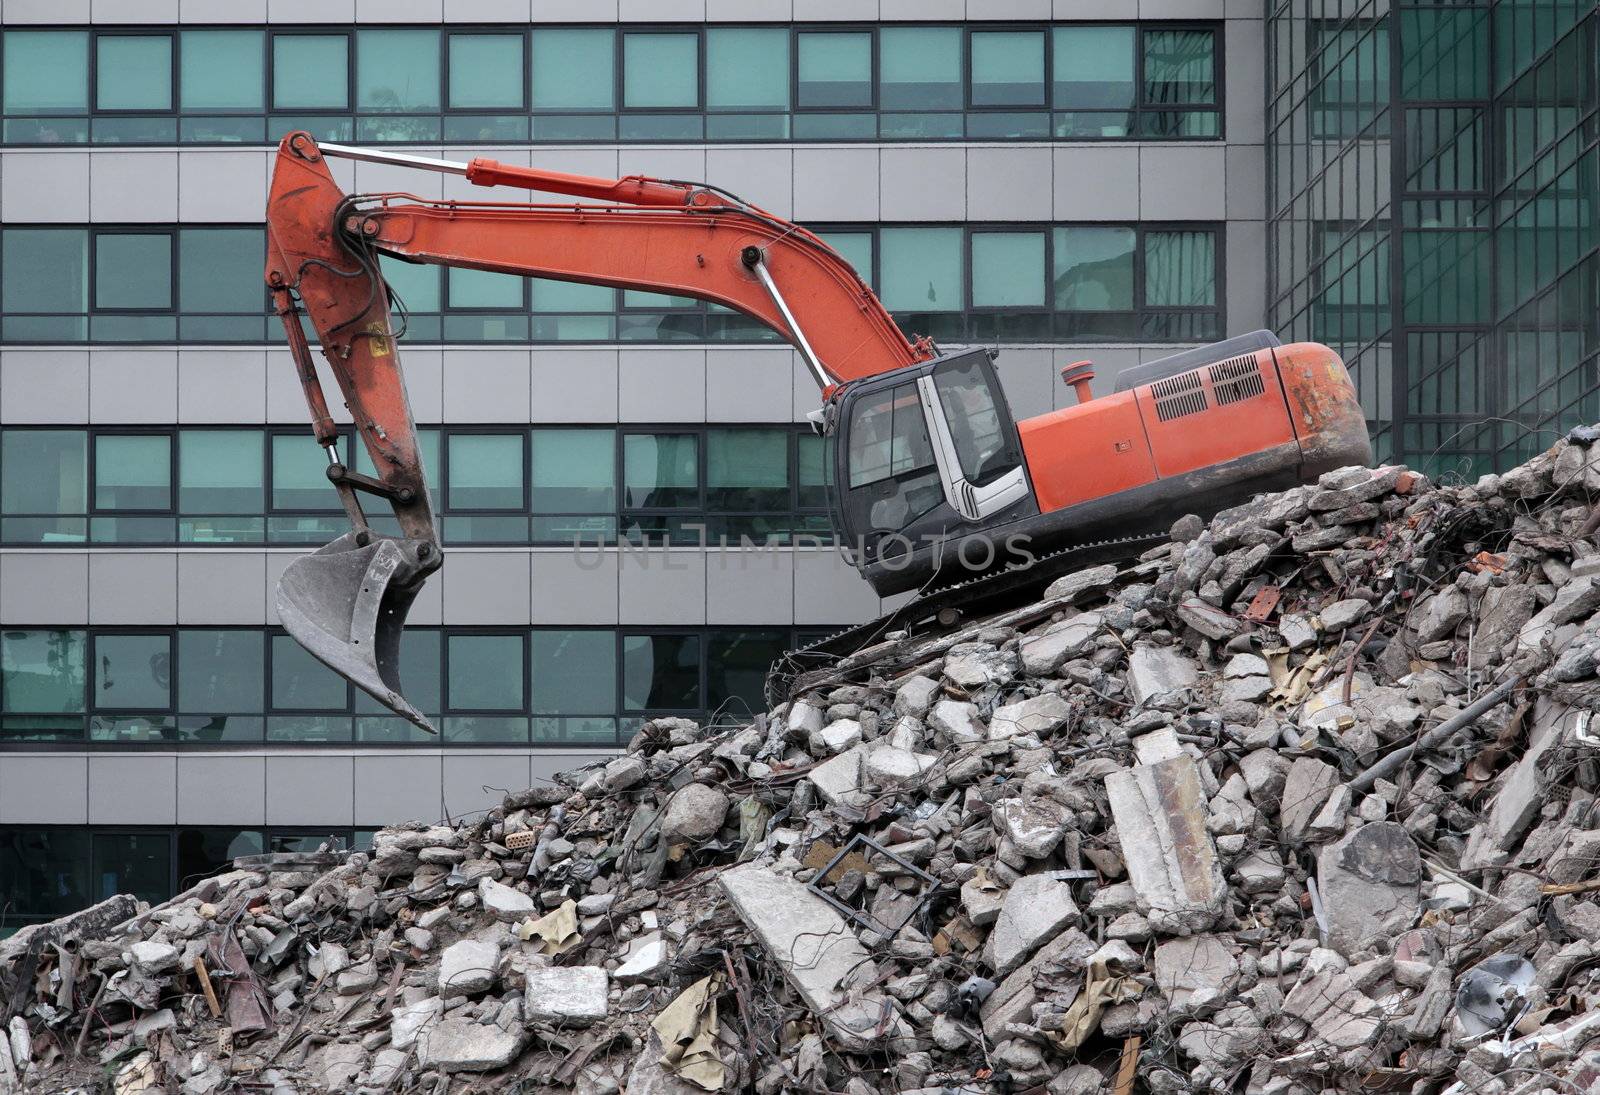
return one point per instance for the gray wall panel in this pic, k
(836, 184)
(44, 186)
(1096, 182)
(1009, 184)
(1244, 61)
(661, 385)
(222, 386)
(486, 588)
(137, 187)
(391, 789)
(475, 782)
(222, 790)
(43, 587)
(1247, 276)
(129, 789)
(222, 11)
(44, 386)
(39, 789)
(749, 385)
(662, 586)
(750, 587)
(133, 588)
(827, 590)
(222, 587)
(484, 385)
(574, 586)
(761, 176)
(576, 384)
(220, 185)
(133, 386)
(923, 183)
(1181, 182)
(311, 790)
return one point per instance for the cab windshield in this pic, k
(891, 454)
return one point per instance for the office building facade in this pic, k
(1065, 180)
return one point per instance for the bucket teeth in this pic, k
(347, 603)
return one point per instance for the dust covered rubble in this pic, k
(1191, 820)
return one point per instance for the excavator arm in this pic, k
(347, 603)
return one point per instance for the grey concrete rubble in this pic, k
(1142, 812)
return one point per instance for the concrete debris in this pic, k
(1188, 811)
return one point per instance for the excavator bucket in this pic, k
(346, 604)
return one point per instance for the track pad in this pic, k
(347, 604)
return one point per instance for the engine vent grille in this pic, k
(1236, 379)
(1178, 396)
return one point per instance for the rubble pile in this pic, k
(1303, 800)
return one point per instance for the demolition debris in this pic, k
(1303, 800)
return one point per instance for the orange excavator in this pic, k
(936, 487)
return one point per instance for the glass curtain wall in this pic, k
(1432, 178)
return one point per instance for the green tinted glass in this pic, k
(574, 471)
(1008, 68)
(310, 72)
(44, 471)
(220, 672)
(921, 269)
(222, 70)
(42, 671)
(835, 69)
(133, 72)
(44, 270)
(1180, 269)
(747, 470)
(574, 672)
(660, 470)
(133, 270)
(219, 270)
(660, 70)
(220, 471)
(484, 289)
(485, 71)
(1093, 67)
(1008, 269)
(132, 672)
(419, 287)
(856, 247)
(747, 69)
(567, 296)
(485, 471)
(299, 474)
(574, 69)
(301, 683)
(1179, 67)
(132, 471)
(397, 70)
(136, 863)
(1093, 269)
(486, 672)
(46, 71)
(660, 672)
(919, 68)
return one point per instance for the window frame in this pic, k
(330, 30)
(695, 30)
(799, 29)
(94, 509)
(447, 31)
(174, 89)
(170, 232)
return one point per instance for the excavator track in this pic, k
(803, 668)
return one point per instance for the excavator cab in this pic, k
(925, 456)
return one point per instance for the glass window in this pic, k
(574, 672)
(574, 471)
(397, 70)
(46, 71)
(222, 70)
(972, 408)
(1008, 68)
(136, 863)
(1179, 67)
(301, 683)
(132, 672)
(419, 286)
(815, 473)
(1008, 269)
(856, 247)
(44, 471)
(133, 471)
(310, 72)
(45, 270)
(568, 296)
(660, 470)
(574, 69)
(42, 671)
(835, 69)
(486, 672)
(299, 474)
(1093, 269)
(44, 873)
(421, 662)
(205, 852)
(736, 673)
(485, 71)
(919, 68)
(133, 270)
(485, 471)
(1093, 67)
(1180, 269)
(133, 72)
(220, 471)
(220, 671)
(660, 70)
(219, 270)
(660, 672)
(747, 68)
(484, 289)
(888, 436)
(921, 269)
(747, 469)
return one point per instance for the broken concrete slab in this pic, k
(469, 967)
(1196, 973)
(1040, 715)
(1160, 812)
(1035, 910)
(569, 996)
(1306, 790)
(1155, 671)
(462, 1044)
(1370, 886)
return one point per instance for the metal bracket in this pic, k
(866, 920)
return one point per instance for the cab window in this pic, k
(888, 436)
(976, 423)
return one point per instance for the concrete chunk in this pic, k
(1305, 792)
(838, 780)
(1039, 715)
(1160, 811)
(505, 904)
(916, 696)
(1035, 910)
(958, 721)
(468, 967)
(466, 1045)
(1157, 670)
(818, 953)
(1043, 654)
(1195, 973)
(572, 996)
